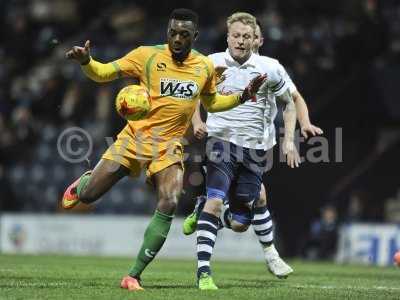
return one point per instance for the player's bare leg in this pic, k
(93, 184)
(213, 206)
(168, 183)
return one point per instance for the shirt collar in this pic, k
(250, 62)
(189, 57)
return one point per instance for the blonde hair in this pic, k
(243, 17)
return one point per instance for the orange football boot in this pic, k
(70, 197)
(131, 284)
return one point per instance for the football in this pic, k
(133, 102)
(396, 258)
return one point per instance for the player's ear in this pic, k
(168, 27)
(195, 36)
(261, 41)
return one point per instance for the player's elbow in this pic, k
(209, 103)
(296, 96)
(99, 79)
(290, 109)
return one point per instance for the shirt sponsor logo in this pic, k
(161, 66)
(178, 88)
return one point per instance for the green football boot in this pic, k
(190, 223)
(206, 282)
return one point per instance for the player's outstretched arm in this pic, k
(289, 119)
(217, 103)
(95, 70)
(303, 116)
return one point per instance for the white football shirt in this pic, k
(250, 125)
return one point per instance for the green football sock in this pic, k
(82, 183)
(154, 237)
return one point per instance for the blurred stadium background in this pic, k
(344, 57)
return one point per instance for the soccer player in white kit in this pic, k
(238, 142)
(242, 129)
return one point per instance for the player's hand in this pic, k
(200, 130)
(292, 155)
(219, 70)
(81, 54)
(310, 129)
(251, 90)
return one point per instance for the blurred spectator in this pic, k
(356, 211)
(323, 235)
(20, 31)
(392, 209)
(8, 202)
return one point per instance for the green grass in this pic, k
(66, 277)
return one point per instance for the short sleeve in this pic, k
(131, 65)
(210, 85)
(288, 80)
(276, 82)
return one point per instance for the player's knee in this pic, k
(238, 227)
(169, 186)
(261, 202)
(213, 206)
(167, 205)
(168, 198)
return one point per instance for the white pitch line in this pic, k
(42, 284)
(333, 287)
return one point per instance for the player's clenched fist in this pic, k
(200, 130)
(81, 54)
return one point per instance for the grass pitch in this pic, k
(66, 277)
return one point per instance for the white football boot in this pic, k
(275, 263)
